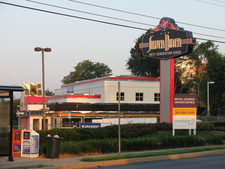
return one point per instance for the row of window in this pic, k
(138, 96)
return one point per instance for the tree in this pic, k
(5, 111)
(140, 65)
(209, 65)
(206, 55)
(87, 70)
(49, 93)
(216, 73)
(16, 103)
(184, 72)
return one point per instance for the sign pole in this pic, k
(119, 135)
(166, 90)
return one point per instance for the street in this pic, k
(207, 162)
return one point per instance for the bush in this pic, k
(161, 140)
(137, 130)
(134, 137)
(89, 146)
(205, 127)
(220, 126)
(72, 134)
(127, 131)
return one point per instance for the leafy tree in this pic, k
(183, 75)
(216, 73)
(5, 113)
(140, 65)
(16, 103)
(49, 93)
(87, 70)
(206, 56)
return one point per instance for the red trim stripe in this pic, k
(75, 96)
(171, 88)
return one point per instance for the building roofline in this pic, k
(113, 78)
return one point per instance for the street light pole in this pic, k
(37, 49)
(208, 107)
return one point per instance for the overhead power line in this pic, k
(137, 14)
(220, 1)
(210, 3)
(71, 16)
(75, 10)
(214, 36)
(88, 19)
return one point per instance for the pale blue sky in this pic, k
(73, 40)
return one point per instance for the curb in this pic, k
(139, 160)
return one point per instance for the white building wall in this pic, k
(61, 91)
(96, 88)
(35, 107)
(89, 88)
(108, 89)
(84, 100)
(114, 121)
(130, 88)
(31, 127)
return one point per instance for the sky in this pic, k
(74, 40)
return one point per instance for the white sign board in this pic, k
(184, 122)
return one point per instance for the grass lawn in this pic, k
(150, 154)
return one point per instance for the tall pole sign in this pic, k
(167, 42)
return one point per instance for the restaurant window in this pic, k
(139, 96)
(122, 96)
(156, 96)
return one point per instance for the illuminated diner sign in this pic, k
(167, 41)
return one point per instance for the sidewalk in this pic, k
(74, 162)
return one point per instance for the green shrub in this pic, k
(220, 126)
(127, 131)
(89, 146)
(72, 134)
(205, 127)
(160, 140)
(137, 130)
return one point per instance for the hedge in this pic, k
(161, 140)
(127, 131)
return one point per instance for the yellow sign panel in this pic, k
(184, 111)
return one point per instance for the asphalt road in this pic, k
(207, 162)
